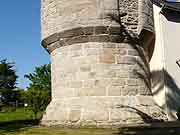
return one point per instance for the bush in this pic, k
(178, 113)
(37, 101)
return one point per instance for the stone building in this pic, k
(100, 52)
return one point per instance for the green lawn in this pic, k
(20, 123)
(18, 114)
(65, 131)
(56, 131)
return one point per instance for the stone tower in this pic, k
(100, 51)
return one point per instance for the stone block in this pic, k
(132, 82)
(116, 115)
(71, 33)
(89, 30)
(126, 60)
(109, 45)
(116, 39)
(133, 52)
(92, 92)
(93, 45)
(144, 91)
(107, 56)
(99, 38)
(85, 68)
(93, 51)
(103, 82)
(63, 92)
(121, 45)
(86, 60)
(129, 91)
(118, 82)
(101, 30)
(75, 115)
(114, 91)
(115, 30)
(76, 53)
(89, 83)
(75, 84)
(122, 51)
(92, 75)
(145, 100)
(76, 40)
(108, 74)
(75, 47)
(122, 74)
(99, 114)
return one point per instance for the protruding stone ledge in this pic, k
(102, 111)
(87, 34)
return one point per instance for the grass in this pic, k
(18, 114)
(65, 131)
(56, 131)
(20, 123)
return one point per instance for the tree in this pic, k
(40, 78)
(37, 101)
(39, 90)
(8, 79)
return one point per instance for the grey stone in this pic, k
(95, 62)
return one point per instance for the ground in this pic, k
(20, 123)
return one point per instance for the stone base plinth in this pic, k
(102, 111)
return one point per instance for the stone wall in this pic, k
(97, 69)
(61, 15)
(100, 72)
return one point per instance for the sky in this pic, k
(20, 38)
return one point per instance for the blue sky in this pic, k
(20, 36)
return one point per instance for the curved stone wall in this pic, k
(100, 70)
(62, 15)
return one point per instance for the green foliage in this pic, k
(7, 96)
(7, 75)
(40, 78)
(38, 94)
(22, 97)
(37, 100)
(8, 79)
(178, 110)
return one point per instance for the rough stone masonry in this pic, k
(100, 52)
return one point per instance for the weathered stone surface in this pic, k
(107, 56)
(129, 91)
(115, 91)
(75, 115)
(94, 111)
(98, 74)
(92, 91)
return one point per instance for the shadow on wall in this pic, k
(143, 71)
(172, 16)
(137, 42)
(145, 117)
(172, 93)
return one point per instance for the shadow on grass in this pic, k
(17, 125)
(148, 131)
